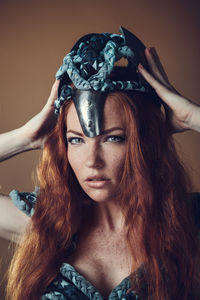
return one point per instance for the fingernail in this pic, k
(153, 50)
(140, 66)
(149, 49)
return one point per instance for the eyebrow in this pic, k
(102, 133)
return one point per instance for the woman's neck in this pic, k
(108, 216)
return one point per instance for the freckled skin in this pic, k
(102, 255)
(102, 155)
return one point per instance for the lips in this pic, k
(97, 182)
(97, 178)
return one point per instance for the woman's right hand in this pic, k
(37, 129)
(34, 133)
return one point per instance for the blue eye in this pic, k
(115, 138)
(75, 140)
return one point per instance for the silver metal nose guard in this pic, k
(89, 106)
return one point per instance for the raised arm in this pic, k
(28, 137)
(33, 134)
(181, 113)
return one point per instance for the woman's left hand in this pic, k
(181, 113)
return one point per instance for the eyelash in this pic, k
(70, 140)
(117, 138)
(114, 139)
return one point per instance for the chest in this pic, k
(103, 260)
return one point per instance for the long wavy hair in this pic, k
(154, 191)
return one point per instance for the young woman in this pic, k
(114, 217)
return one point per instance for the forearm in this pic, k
(195, 119)
(13, 222)
(12, 143)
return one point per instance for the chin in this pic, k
(101, 196)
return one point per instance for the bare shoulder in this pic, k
(13, 222)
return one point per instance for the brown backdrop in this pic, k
(35, 35)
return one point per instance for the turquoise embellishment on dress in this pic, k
(74, 286)
(25, 201)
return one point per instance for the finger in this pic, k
(54, 93)
(155, 66)
(159, 64)
(162, 91)
(168, 95)
(150, 79)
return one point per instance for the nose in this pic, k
(94, 158)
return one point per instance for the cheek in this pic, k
(77, 157)
(116, 160)
(74, 161)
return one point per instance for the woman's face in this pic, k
(98, 162)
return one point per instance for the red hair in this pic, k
(154, 188)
